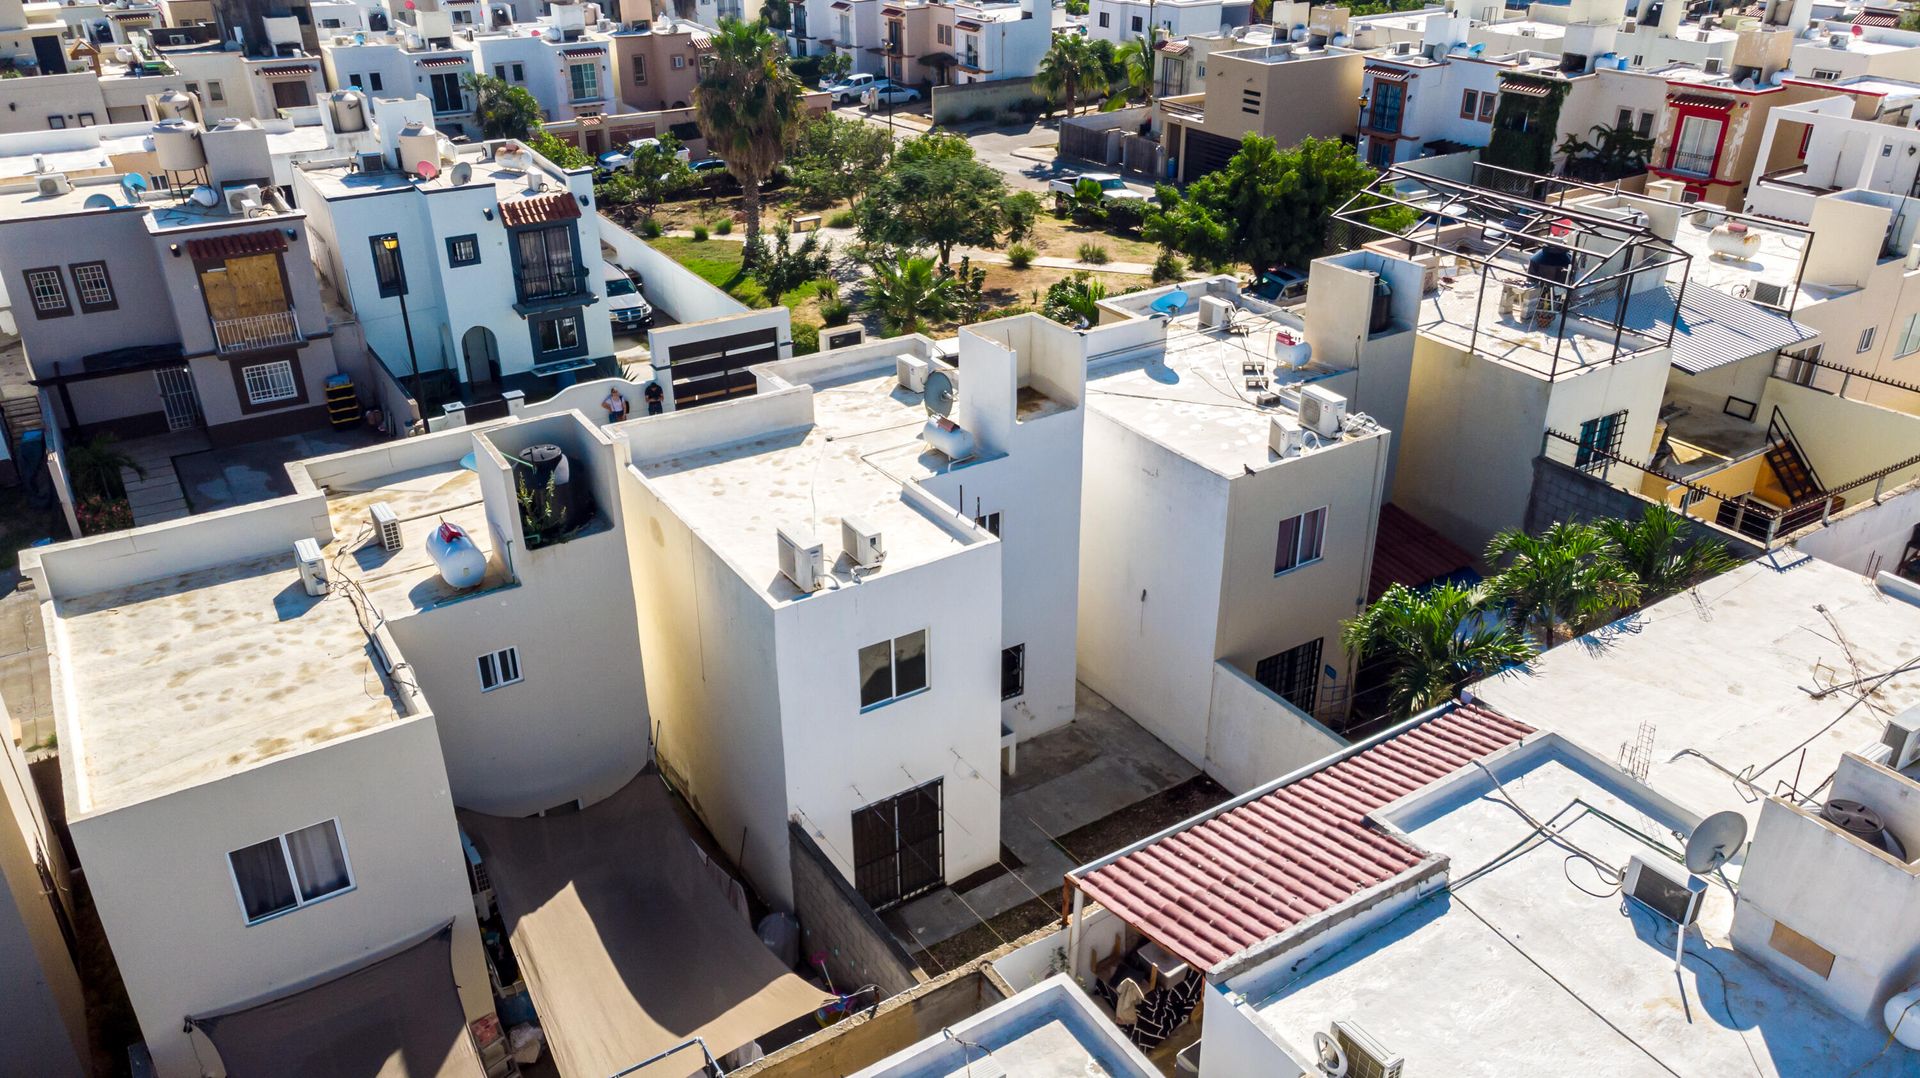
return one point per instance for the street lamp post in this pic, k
(392, 244)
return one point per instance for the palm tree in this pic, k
(1570, 574)
(748, 106)
(908, 293)
(1654, 549)
(1075, 300)
(503, 109)
(1432, 642)
(1136, 58)
(96, 464)
(1068, 67)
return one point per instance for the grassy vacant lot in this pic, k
(718, 263)
(775, 207)
(1055, 238)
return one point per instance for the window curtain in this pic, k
(261, 872)
(318, 860)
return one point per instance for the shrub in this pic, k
(843, 219)
(1093, 254)
(806, 339)
(724, 226)
(1126, 214)
(1168, 267)
(834, 311)
(650, 229)
(699, 233)
(102, 513)
(1020, 256)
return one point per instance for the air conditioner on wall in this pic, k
(1286, 437)
(52, 183)
(240, 199)
(802, 559)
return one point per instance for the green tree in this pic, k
(1654, 549)
(657, 172)
(503, 109)
(934, 194)
(562, 153)
(908, 293)
(777, 15)
(834, 66)
(1074, 301)
(782, 266)
(1020, 209)
(1431, 643)
(1069, 67)
(1183, 226)
(836, 158)
(1568, 576)
(748, 106)
(1276, 203)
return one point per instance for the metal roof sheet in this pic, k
(1253, 869)
(1713, 329)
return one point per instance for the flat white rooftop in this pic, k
(1776, 258)
(508, 182)
(863, 444)
(181, 680)
(1051, 1030)
(1194, 398)
(407, 579)
(1725, 671)
(1516, 969)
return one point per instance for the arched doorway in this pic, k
(482, 354)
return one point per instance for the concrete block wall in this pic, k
(1564, 493)
(836, 921)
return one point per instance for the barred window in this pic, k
(269, 382)
(49, 292)
(95, 287)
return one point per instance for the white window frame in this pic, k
(300, 901)
(216, 94)
(1910, 338)
(1309, 540)
(893, 668)
(502, 666)
(45, 285)
(1867, 336)
(268, 383)
(561, 343)
(591, 81)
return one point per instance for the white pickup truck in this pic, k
(1111, 186)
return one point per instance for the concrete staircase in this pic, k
(22, 412)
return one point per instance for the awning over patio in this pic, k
(628, 944)
(395, 1017)
(1712, 329)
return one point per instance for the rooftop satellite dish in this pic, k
(1718, 838)
(460, 176)
(1169, 304)
(941, 392)
(132, 184)
(206, 196)
(98, 202)
(427, 170)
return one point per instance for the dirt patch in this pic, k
(978, 940)
(775, 207)
(1142, 818)
(1062, 239)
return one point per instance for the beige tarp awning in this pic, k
(627, 944)
(398, 1016)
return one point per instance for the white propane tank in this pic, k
(946, 436)
(1290, 348)
(1902, 1015)
(460, 561)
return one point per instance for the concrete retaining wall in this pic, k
(669, 286)
(836, 921)
(958, 104)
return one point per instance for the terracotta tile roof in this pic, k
(1700, 101)
(289, 69)
(1876, 18)
(1388, 74)
(1233, 880)
(1525, 89)
(558, 206)
(1408, 552)
(594, 50)
(444, 61)
(236, 244)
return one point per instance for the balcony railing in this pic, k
(557, 284)
(1697, 164)
(256, 331)
(1182, 110)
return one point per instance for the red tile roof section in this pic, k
(237, 244)
(1408, 552)
(1232, 881)
(559, 206)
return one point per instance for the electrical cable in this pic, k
(1606, 871)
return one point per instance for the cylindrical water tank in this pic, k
(1381, 315)
(948, 438)
(1902, 1015)
(1551, 263)
(177, 144)
(173, 105)
(459, 559)
(1290, 348)
(349, 114)
(549, 487)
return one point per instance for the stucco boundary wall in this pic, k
(959, 104)
(667, 284)
(1561, 492)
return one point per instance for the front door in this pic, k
(483, 355)
(48, 57)
(179, 398)
(898, 846)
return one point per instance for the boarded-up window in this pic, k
(244, 287)
(1802, 950)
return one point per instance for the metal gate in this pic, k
(179, 398)
(899, 846)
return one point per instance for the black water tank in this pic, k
(549, 486)
(1551, 263)
(1382, 315)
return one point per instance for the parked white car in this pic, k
(628, 309)
(890, 94)
(849, 89)
(1111, 186)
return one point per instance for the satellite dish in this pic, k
(1332, 1058)
(427, 169)
(462, 173)
(1169, 304)
(133, 181)
(98, 202)
(942, 391)
(1718, 838)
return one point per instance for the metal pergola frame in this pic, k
(1515, 224)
